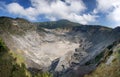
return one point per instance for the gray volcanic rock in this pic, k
(59, 46)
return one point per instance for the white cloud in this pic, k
(84, 19)
(95, 11)
(111, 9)
(105, 5)
(115, 14)
(17, 9)
(53, 10)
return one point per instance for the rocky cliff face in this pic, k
(109, 64)
(59, 46)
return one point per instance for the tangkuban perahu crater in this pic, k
(59, 47)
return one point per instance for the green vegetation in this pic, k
(111, 70)
(43, 75)
(8, 65)
(61, 24)
(15, 26)
(12, 65)
(7, 26)
(18, 57)
(100, 57)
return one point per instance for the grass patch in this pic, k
(112, 70)
(12, 64)
(18, 57)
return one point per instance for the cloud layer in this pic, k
(53, 10)
(111, 9)
(73, 10)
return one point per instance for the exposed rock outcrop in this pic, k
(59, 46)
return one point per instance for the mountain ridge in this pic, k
(56, 46)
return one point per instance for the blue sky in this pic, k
(96, 12)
